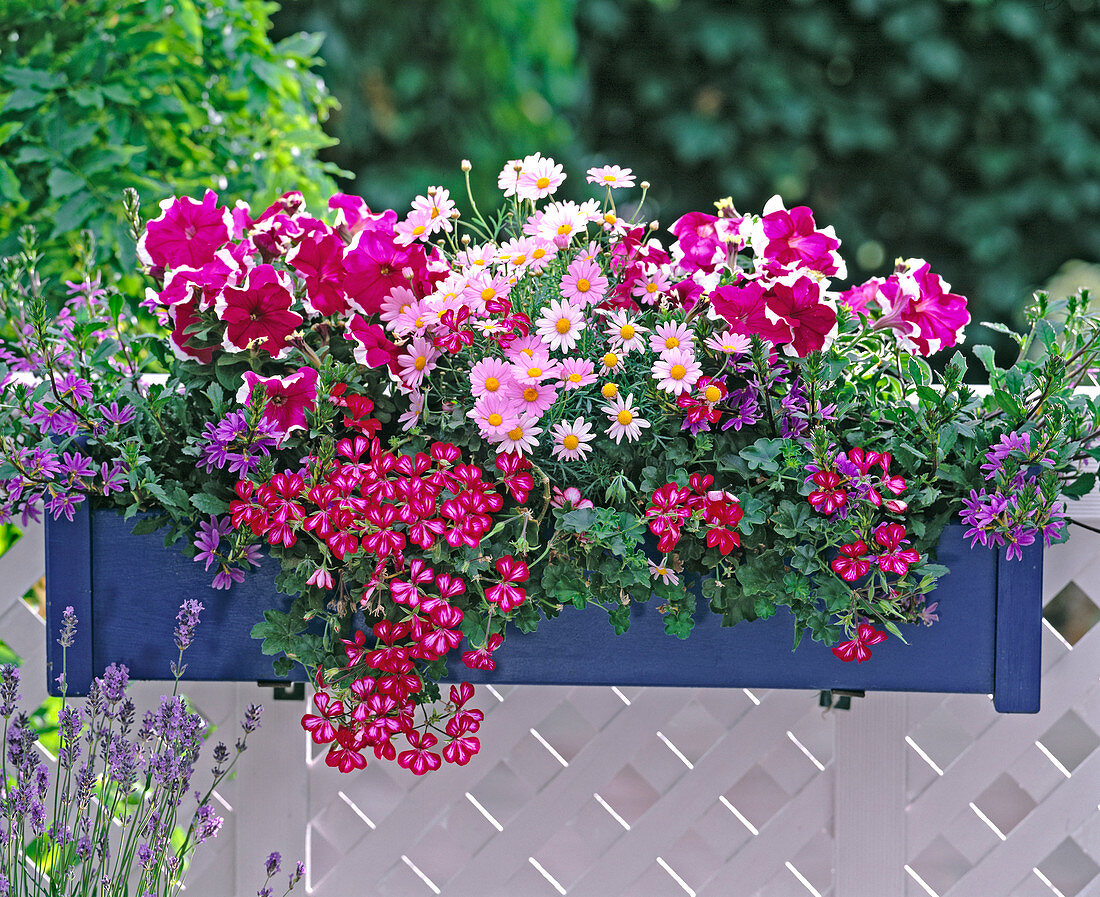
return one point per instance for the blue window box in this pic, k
(127, 589)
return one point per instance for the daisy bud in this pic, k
(466, 166)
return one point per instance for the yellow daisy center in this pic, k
(563, 325)
(519, 260)
(610, 360)
(627, 331)
(488, 293)
(495, 419)
(583, 286)
(492, 384)
(534, 372)
(610, 178)
(671, 342)
(713, 393)
(420, 363)
(542, 183)
(538, 253)
(624, 417)
(418, 230)
(515, 434)
(571, 442)
(609, 390)
(651, 288)
(678, 371)
(575, 378)
(609, 218)
(563, 229)
(530, 394)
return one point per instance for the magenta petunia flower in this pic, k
(372, 348)
(794, 240)
(939, 316)
(375, 265)
(287, 398)
(743, 307)
(188, 232)
(697, 246)
(319, 257)
(259, 311)
(811, 319)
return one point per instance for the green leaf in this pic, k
(9, 184)
(9, 129)
(919, 371)
(88, 97)
(38, 79)
(209, 504)
(23, 98)
(761, 454)
(61, 183)
(73, 212)
(1082, 486)
(147, 525)
(985, 355)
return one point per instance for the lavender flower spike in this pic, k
(187, 619)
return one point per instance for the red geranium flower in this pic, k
(851, 564)
(891, 536)
(857, 649)
(828, 498)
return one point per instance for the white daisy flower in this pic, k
(676, 371)
(560, 325)
(572, 440)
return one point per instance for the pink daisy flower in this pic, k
(654, 282)
(417, 361)
(611, 363)
(561, 221)
(508, 179)
(577, 372)
(476, 257)
(521, 437)
(539, 179)
(490, 376)
(524, 349)
(411, 417)
(625, 333)
(572, 440)
(665, 574)
(624, 419)
(494, 416)
(541, 253)
(533, 398)
(729, 343)
(438, 209)
(611, 176)
(561, 324)
(411, 229)
(413, 320)
(671, 335)
(398, 299)
(584, 283)
(485, 286)
(676, 371)
(534, 369)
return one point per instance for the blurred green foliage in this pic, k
(424, 84)
(966, 132)
(166, 97)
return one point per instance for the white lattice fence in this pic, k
(655, 792)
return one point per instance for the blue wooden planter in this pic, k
(126, 591)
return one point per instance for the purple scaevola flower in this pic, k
(64, 503)
(117, 416)
(74, 388)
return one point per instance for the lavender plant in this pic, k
(110, 824)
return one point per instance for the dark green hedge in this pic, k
(964, 132)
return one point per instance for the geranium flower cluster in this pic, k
(378, 504)
(377, 697)
(1017, 509)
(671, 506)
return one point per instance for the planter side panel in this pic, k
(955, 655)
(1019, 632)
